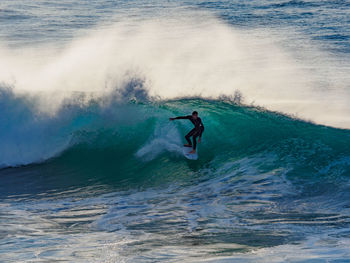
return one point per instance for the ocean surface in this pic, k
(91, 169)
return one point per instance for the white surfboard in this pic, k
(188, 155)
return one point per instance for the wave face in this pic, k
(129, 139)
(137, 130)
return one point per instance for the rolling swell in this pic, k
(132, 139)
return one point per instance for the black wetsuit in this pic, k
(195, 132)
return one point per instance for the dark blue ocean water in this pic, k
(91, 170)
(325, 22)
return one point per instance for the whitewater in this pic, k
(92, 170)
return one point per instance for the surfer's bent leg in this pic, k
(195, 140)
(188, 136)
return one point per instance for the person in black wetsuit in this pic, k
(195, 132)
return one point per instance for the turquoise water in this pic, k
(93, 171)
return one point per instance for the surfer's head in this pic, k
(195, 114)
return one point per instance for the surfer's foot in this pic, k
(192, 152)
(187, 145)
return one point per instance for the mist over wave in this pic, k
(173, 58)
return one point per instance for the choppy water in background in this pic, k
(92, 171)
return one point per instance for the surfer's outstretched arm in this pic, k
(181, 118)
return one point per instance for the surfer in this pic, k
(195, 132)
